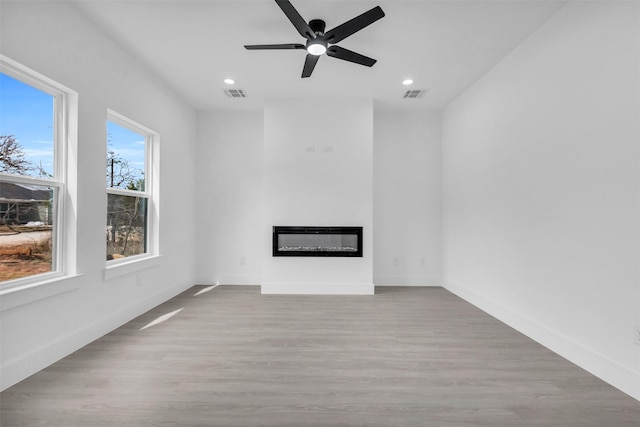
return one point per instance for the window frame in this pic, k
(150, 192)
(65, 112)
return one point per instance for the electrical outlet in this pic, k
(243, 261)
(396, 261)
(636, 333)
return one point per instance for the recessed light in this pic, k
(229, 81)
(407, 82)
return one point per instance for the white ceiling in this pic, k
(444, 46)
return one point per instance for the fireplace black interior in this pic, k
(317, 241)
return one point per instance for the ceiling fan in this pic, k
(319, 41)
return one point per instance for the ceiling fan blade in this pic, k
(309, 65)
(356, 24)
(301, 25)
(348, 55)
(274, 46)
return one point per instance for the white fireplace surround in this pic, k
(322, 177)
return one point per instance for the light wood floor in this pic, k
(233, 357)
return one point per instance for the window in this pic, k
(34, 114)
(131, 205)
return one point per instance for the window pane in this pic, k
(126, 226)
(26, 129)
(26, 220)
(125, 158)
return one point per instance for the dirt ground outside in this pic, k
(24, 254)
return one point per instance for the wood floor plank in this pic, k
(234, 357)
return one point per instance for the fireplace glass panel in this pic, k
(317, 241)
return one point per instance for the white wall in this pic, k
(406, 199)
(541, 189)
(406, 196)
(230, 207)
(41, 325)
(318, 170)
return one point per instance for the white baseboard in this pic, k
(607, 370)
(406, 281)
(318, 288)
(233, 280)
(19, 369)
(234, 283)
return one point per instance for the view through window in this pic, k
(29, 180)
(128, 197)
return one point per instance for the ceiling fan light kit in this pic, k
(316, 47)
(318, 41)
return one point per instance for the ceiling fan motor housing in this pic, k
(318, 26)
(317, 45)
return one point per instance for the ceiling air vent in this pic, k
(235, 93)
(410, 94)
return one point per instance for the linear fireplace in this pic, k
(317, 241)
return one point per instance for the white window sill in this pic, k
(128, 266)
(20, 295)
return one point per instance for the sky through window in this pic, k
(27, 114)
